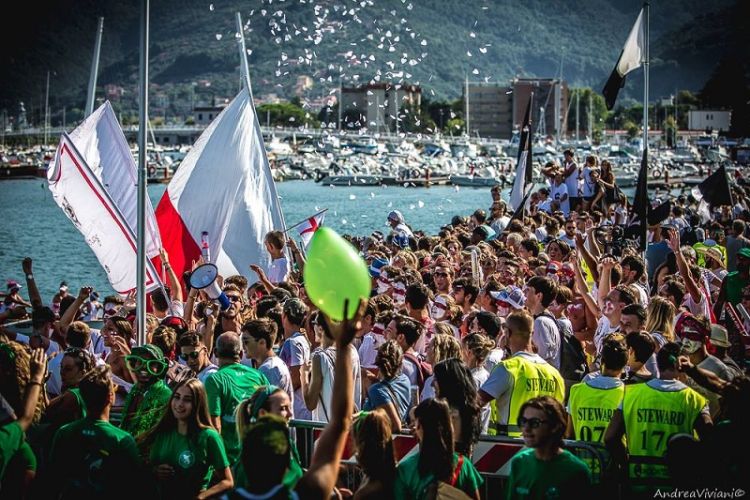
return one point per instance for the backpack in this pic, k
(440, 490)
(424, 370)
(573, 365)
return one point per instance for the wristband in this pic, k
(30, 277)
(34, 382)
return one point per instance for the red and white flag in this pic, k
(81, 195)
(307, 228)
(223, 187)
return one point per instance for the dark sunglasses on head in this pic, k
(532, 422)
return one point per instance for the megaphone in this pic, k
(204, 278)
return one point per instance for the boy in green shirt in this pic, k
(228, 387)
(89, 456)
(545, 470)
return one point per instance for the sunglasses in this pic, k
(192, 355)
(444, 275)
(152, 366)
(533, 423)
(234, 298)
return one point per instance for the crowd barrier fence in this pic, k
(491, 457)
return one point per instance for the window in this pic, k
(200, 116)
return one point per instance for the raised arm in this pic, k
(262, 277)
(320, 479)
(605, 280)
(587, 257)
(690, 285)
(38, 369)
(583, 289)
(34, 296)
(299, 259)
(174, 283)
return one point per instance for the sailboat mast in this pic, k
(91, 95)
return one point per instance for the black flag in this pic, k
(630, 59)
(715, 189)
(638, 227)
(524, 172)
(660, 213)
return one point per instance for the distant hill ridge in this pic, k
(433, 42)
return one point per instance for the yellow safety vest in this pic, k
(651, 418)
(531, 380)
(591, 410)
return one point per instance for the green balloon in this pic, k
(334, 272)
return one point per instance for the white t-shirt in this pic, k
(603, 330)
(327, 358)
(295, 352)
(546, 338)
(571, 181)
(368, 350)
(493, 358)
(278, 270)
(278, 374)
(697, 308)
(480, 376)
(558, 193)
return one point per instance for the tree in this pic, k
(632, 128)
(455, 126)
(285, 115)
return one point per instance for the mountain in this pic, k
(435, 43)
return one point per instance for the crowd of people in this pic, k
(542, 326)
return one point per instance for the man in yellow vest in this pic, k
(519, 378)
(650, 415)
(592, 402)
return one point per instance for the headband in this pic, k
(263, 394)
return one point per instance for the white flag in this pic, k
(88, 205)
(101, 142)
(223, 187)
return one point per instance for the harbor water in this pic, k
(36, 227)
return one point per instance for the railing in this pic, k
(491, 457)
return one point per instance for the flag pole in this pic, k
(306, 219)
(245, 70)
(645, 74)
(142, 173)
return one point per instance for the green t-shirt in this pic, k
(291, 477)
(88, 457)
(194, 459)
(11, 440)
(140, 416)
(565, 476)
(410, 485)
(227, 388)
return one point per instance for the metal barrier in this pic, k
(491, 456)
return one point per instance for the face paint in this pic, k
(399, 293)
(438, 309)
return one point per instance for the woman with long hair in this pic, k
(454, 383)
(267, 400)
(436, 465)
(69, 405)
(660, 320)
(440, 348)
(374, 443)
(184, 450)
(392, 392)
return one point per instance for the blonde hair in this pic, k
(445, 347)
(660, 317)
(408, 258)
(479, 346)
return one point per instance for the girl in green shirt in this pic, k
(436, 465)
(185, 451)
